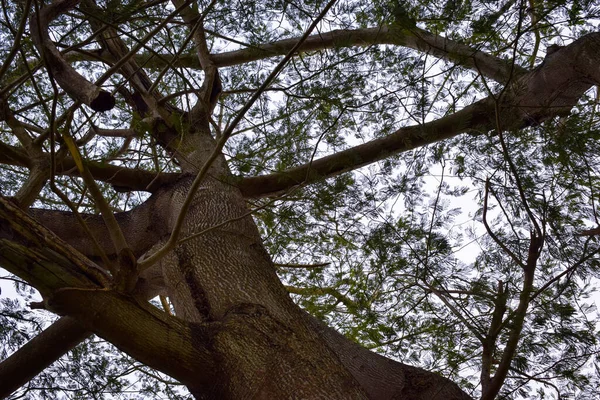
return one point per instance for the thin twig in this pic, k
(491, 233)
(303, 266)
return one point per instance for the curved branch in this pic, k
(492, 67)
(142, 226)
(67, 77)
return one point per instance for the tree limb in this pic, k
(415, 38)
(475, 116)
(37, 354)
(490, 66)
(38, 164)
(142, 226)
(55, 341)
(72, 285)
(12, 155)
(493, 386)
(208, 94)
(383, 378)
(67, 77)
(122, 178)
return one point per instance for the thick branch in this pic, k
(491, 67)
(385, 379)
(112, 42)
(71, 285)
(39, 257)
(174, 347)
(123, 179)
(123, 133)
(142, 226)
(12, 155)
(476, 116)
(58, 339)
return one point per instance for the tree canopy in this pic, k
(424, 177)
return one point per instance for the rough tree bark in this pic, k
(237, 334)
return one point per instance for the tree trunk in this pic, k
(264, 346)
